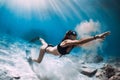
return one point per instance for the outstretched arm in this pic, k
(83, 41)
(77, 42)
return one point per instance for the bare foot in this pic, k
(43, 41)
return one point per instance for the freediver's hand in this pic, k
(102, 36)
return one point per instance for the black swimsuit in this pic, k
(63, 50)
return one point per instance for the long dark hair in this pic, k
(68, 33)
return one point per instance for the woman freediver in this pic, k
(66, 45)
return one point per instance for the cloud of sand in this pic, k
(88, 29)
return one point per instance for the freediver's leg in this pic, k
(41, 55)
(42, 51)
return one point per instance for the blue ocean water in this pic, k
(28, 19)
(23, 20)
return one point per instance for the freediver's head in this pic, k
(70, 35)
(71, 32)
